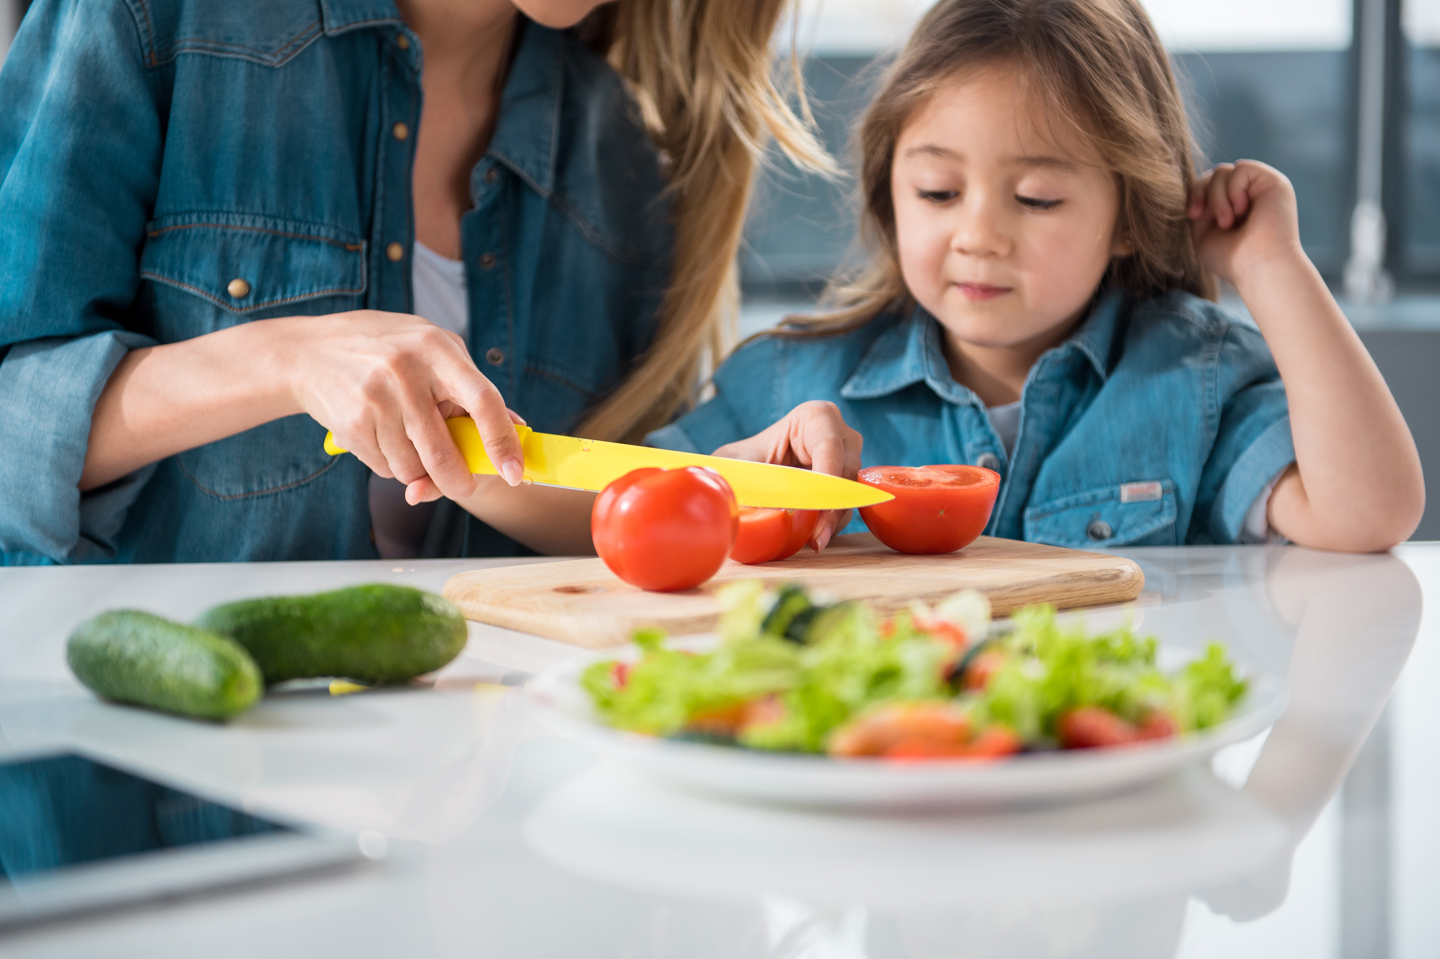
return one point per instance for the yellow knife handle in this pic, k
(466, 436)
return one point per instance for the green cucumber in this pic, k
(378, 633)
(132, 657)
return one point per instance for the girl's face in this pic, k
(1005, 222)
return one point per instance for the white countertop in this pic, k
(508, 841)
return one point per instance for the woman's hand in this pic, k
(814, 435)
(384, 384)
(1243, 216)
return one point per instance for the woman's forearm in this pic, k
(162, 400)
(548, 519)
(1358, 486)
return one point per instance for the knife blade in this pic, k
(569, 461)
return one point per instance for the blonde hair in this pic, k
(702, 72)
(1103, 71)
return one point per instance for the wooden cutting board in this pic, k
(582, 602)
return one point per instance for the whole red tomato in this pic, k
(665, 530)
(936, 509)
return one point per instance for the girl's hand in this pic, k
(1243, 216)
(384, 383)
(814, 435)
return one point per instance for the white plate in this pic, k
(821, 781)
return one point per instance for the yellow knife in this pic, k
(552, 460)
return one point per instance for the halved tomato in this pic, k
(763, 534)
(802, 525)
(936, 509)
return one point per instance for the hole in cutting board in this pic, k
(581, 589)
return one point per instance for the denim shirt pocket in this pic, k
(1129, 514)
(248, 267)
(212, 271)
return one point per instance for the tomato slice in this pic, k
(802, 525)
(763, 534)
(665, 530)
(936, 509)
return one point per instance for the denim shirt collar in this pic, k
(911, 352)
(342, 15)
(532, 89)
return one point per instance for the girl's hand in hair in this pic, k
(1341, 412)
(1243, 218)
(812, 435)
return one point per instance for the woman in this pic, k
(216, 221)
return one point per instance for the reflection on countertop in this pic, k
(1108, 877)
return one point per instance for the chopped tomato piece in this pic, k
(916, 748)
(1158, 724)
(876, 731)
(948, 632)
(982, 668)
(1087, 727)
(620, 674)
(994, 742)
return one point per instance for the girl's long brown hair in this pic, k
(703, 74)
(1100, 68)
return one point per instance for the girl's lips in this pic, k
(981, 291)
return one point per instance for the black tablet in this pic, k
(78, 835)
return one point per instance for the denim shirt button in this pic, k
(487, 261)
(395, 252)
(238, 288)
(988, 461)
(494, 356)
(491, 176)
(403, 42)
(400, 131)
(1098, 530)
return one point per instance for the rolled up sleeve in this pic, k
(1253, 444)
(80, 148)
(42, 510)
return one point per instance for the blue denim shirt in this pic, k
(1155, 423)
(152, 151)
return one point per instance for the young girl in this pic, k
(1038, 303)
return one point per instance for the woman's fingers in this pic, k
(468, 387)
(422, 490)
(442, 460)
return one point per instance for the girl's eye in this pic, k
(1037, 204)
(937, 196)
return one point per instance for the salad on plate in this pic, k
(794, 674)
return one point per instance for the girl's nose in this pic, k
(979, 230)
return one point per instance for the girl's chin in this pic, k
(990, 333)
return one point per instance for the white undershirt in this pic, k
(440, 297)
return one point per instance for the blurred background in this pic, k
(1341, 95)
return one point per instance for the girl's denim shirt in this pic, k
(1156, 423)
(169, 168)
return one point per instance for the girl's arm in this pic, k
(1356, 484)
(380, 381)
